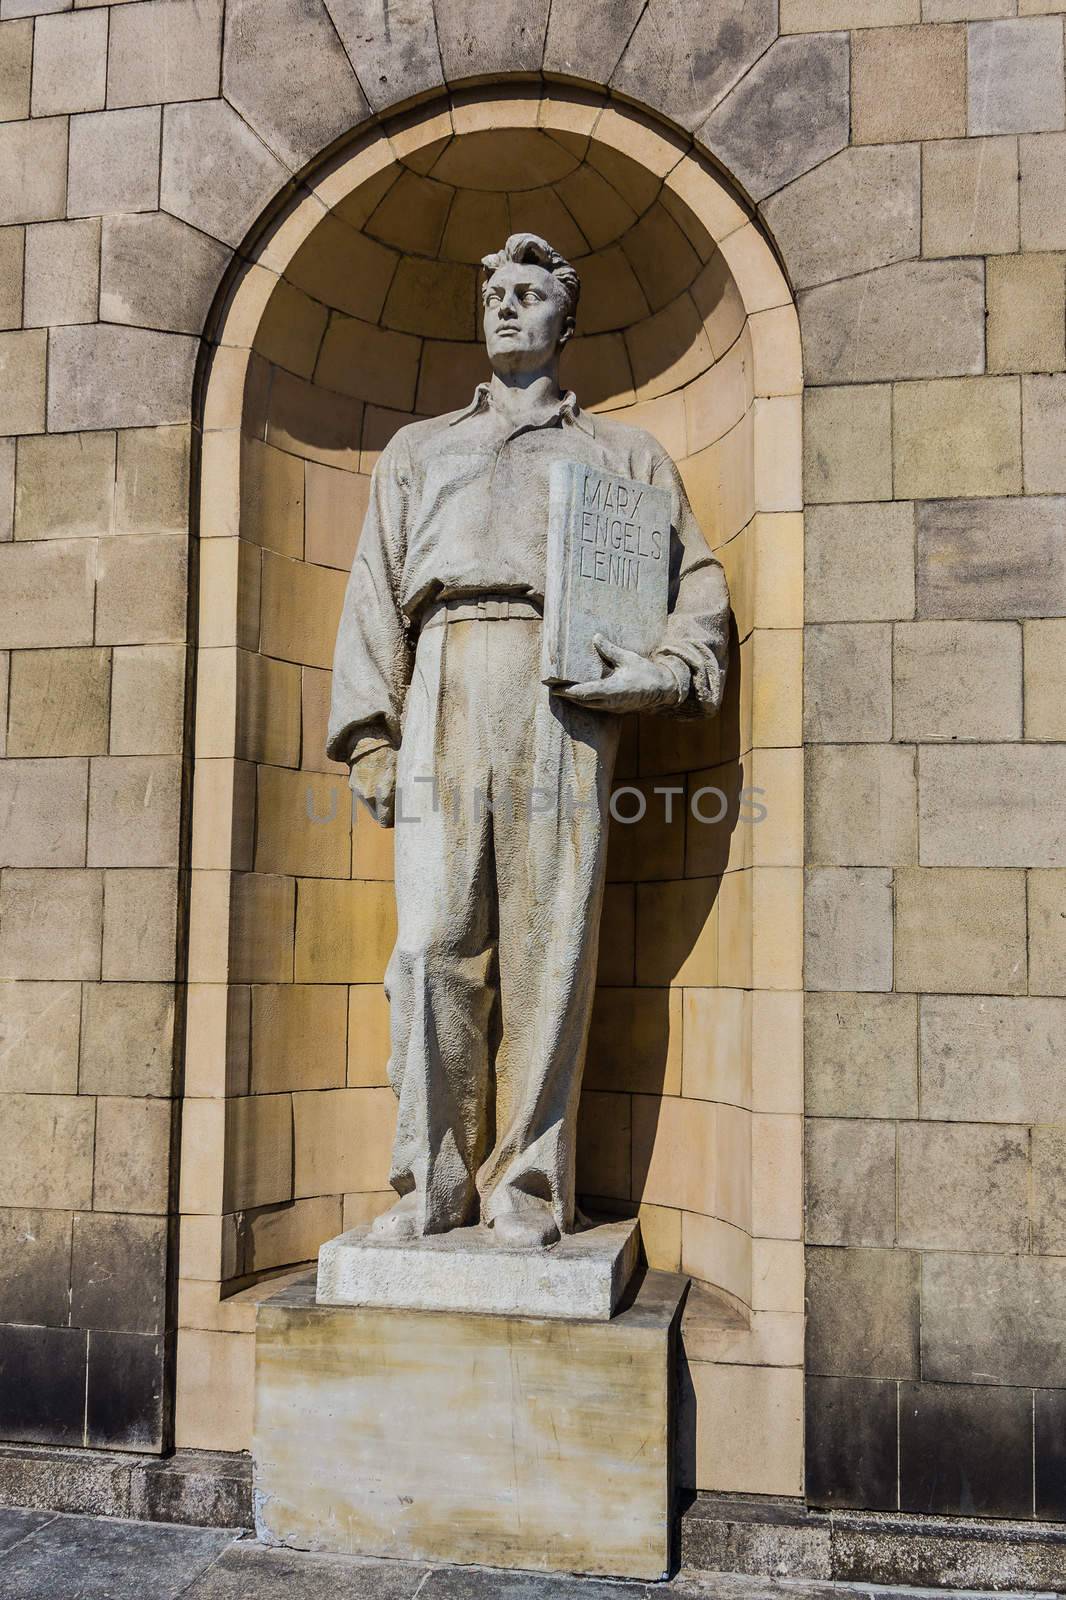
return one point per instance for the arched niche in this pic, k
(354, 312)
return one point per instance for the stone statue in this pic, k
(499, 786)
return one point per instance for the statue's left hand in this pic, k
(634, 683)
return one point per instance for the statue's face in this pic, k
(526, 318)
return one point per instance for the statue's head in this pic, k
(530, 297)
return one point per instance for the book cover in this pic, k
(608, 569)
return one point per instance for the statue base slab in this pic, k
(584, 1275)
(491, 1440)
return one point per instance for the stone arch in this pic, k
(323, 345)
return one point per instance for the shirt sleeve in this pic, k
(696, 645)
(373, 659)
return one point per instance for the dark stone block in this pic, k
(42, 1385)
(862, 1307)
(787, 115)
(851, 1440)
(992, 558)
(125, 1395)
(105, 1560)
(966, 1450)
(1050, 1453)
(202, 1488)
(87, 1482)
(35, 1267)
(754, 1537)
(118, 1276)
(994, 1319)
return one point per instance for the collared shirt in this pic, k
(459, 507)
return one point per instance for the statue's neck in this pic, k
(520, 394)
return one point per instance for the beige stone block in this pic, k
(848, 682)
(140, 924)
(218, 1021)
(942, 669)
(908, 83)
(141, 589)
(660, 1234)
(1045, 679)
(774, 809)
(664, 419)
(307, 420)
(991, 558)
(207, 1248)
(777, 1051)
(299, 1036)
(814, 16)
(230, 573)
(344, 269)
(776, 1176)
(713, 1252)
(291, 329)
(1042, 192)
(199, 1306)
(850, 1182)
(668, 349)
(914, 319)
(967, 10)
(369, 363)
(127, 1043)
(16, 55)
(777, 928)
(963, 1188)
(779, 454)
(717, 1046)
(46, 593)
(597, 207)
(69, 62)
(436, 299)
(448, 372)
(343, 1140)
(1015, 76)
(114, 162)
(677, 932)
(1047, 932)
(281, 1236)
(223, 810)
(861, 1055)
(131, 1168)
(1026, 313)
(861, 805)
(368, 1036)
(604, 1143)
(647, 836)
(258, 1151)
(758, 277)
(110, 376)
(303, 824)
(596, 368)
(43, 807)
(777, 670)
(12, 255)
(848, 924)
(261, 930)
(674, 1148)
(267, 710)
(379, 426)
(1043, 425)
(859, 563)
(50, 1160)
(301, 608)
(147, 700)
(991, 805)
(635, 1042)
(153, 480)
(215, 1390)
(39, 1025)
(7, 488)
(157, 272)
(721, 304)
(50, 924)
(34, 155)
(734, 906)
(1049, 1198)
(777, 1275)
(22, 381)
(960, 931)
(361, 1209)
(777, 552)
(720, 482)
(373, 847)
(336, 504)
(62, 273)
(164, 51)
(957, 436)
(344, 931)
(272, 498)
(970, 197)
(65, 486)
(660, 255)
(134, 811)
(617, 954)
(220, 494)
(748, 1429)
(203, 1147)
(847, 443)
(58, 702)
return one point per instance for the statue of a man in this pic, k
(503, 785)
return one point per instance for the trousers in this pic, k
(502, 810)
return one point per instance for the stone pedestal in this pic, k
(582, 1276)
(508, 1441)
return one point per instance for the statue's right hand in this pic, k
(373, 781)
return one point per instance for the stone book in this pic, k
(608, 569)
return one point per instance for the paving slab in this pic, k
(17, 1525)
(85, 1558)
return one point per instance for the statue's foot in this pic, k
(400, 1221)
(526, 1229)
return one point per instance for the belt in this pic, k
(481, 608)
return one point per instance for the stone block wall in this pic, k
(928, 260)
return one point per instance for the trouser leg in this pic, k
(550, 841)
(440, 979)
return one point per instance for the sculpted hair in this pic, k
(529, 249)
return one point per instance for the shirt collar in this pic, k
(567, 410)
